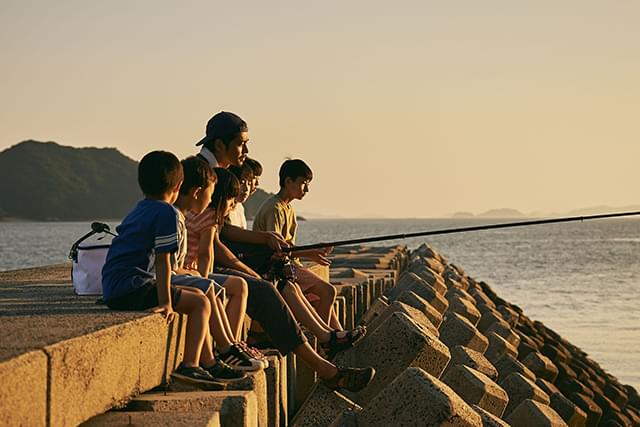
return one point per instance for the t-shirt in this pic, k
(196, 225)
(178, 258)
(236, 216)
(276, 215)
(150, 228)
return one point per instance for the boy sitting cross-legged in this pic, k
(137, 271)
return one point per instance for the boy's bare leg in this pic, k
(323, 367)
(327, 294)
(303, 314)
(312, 309)
(218, 324)
(237, 290)
(198, 310)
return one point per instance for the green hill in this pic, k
(46, 181)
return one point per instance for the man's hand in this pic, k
(275, 241)
(165, 310)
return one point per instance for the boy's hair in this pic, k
(238, 171)
(255, 165)
(159, 172)
(294, 168)
(227, 187)
(197, 173)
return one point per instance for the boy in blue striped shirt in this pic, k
(137, 271)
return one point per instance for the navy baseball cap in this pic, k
(223, 124)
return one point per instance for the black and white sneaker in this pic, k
(220, 371)
(238, 359)
(193, 375)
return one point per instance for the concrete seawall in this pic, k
(447, 350)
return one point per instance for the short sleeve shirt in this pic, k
(196, 226)
(276, 215)
(149, 229)
(237, 217)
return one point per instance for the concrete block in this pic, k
(109, 366)
(411, 282)
(591, 408)
(519, 389)
(541, 366)
(256, 382)
(531, 413)
(481, 298)
(557, 354)
(488, 318)
(568, 386)
(464, 308)
(415, 314)
(457, 330)
(476, 388)
(272, 376)
(236, 408)
(498, 348)
(415, 301)
(571, 413)
(505, 332)
(465, 356)
(509, 364)
(377, 308)
(152, 419)
(508, 314)
(438, 405)
(461, 293)
(546, 386)
(347, 418)
(488, 419)
(397, 344)
(616, 394)
(23, 395)
(322, 407)
(526, 346)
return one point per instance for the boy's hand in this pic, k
(165, 310)
(319, 256)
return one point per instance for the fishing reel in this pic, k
(283, 272)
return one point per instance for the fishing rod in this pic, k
(458, 230)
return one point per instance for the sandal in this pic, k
(351, 379)
(342, 340)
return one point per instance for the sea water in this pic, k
(580, 279)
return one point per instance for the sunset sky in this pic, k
(402, 109)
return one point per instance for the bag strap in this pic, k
(73, 253)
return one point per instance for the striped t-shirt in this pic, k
(150, 228)
(196, 226)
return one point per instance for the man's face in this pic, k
(298, 187)
(237, 151)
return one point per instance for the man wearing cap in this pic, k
(225, 144)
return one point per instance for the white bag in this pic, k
(86, 270)
(87, 262)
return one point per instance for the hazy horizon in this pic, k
(418, 110)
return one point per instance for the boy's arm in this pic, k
(205, 251)
(240, 235)
(163, 285)
(226, 258)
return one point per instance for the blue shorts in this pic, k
(197, 282)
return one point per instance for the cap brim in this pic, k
(203, 140)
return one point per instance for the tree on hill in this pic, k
(48, 181)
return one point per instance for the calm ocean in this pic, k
(581, 279)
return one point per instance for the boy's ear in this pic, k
(195, 192)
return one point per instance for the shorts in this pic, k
(143, 298)
(197, 282)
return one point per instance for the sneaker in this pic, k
(238, 359)
(193, 375)
(342, 340)
(254, 353)
(351, 379)
(220, 371)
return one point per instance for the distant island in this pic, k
(46, 181)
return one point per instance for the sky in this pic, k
(402, 109)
